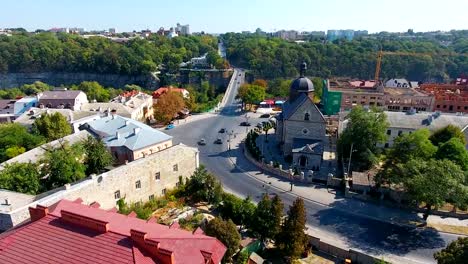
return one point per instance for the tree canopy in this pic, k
(52, 126)
(271, 58)
(226, 232)
(251, 93)
(456, 252)
(49, 52)
(204, 187)
(445, 134)
(97, 155)
(267, 218)
(20, 177)
(292, 240)
(15, 139)
(365, 129)
(168, 106)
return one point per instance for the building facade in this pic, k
(301, 127)
(69, 99)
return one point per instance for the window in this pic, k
(445, 106)
(157, 176)
(138, 184)
(466, 107)
(175, 167)
(117, 195)
(151, 197)
(438, 106)
(306, 116)
(305, 131)
(163, 191)
(400, 132)
(389, 132)
(386, 145)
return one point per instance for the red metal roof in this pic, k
(164, 90)
(77, 233)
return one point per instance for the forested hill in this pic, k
(273, 57)
(48, 52)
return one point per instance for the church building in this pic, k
(301, 127)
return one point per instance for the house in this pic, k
(301, 127)
(133, 104)
(137, 181)
(398, 83)
(127, 139)
(24, 104)
(403, 123)
(163, 90)
(74, 118)
(69, 99)
(72, 232)
(7, 110)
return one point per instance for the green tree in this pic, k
(267, 217)
(405, 147)
(251, 94)
(240, 211)
(63, 165)
(14, 138)
(20, 177)
(364, 130)
(226, 232)
(455, 253)
(35, 88)
(52, 126)
(455, 151)
(433, 183)
(445, 134)
(97, 155)
(266, 126)
(94, 91)
(292, 240)
(204, 187)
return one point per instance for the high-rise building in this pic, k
(183, 29)
(112, 31)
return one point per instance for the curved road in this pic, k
(396, 243)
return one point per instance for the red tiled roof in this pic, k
(77, 233)
(164, 90)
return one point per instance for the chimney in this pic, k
(38, 212)
(127, 122)
(7, 202)
(84, 221)
(136, 130)
(152, 246)
(117, 135)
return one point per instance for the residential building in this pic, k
(347, 94)
(112, 31)
(74, 118)
(301, 127)
(69, 99)
(449, 98)
(7, 114)
(183, 29)
(72, 232)
(340, 34)
(24, 104)
(287, 34)
(403, 123)
(134, 104)
(127, 139)
(155, 174)
(163, 90)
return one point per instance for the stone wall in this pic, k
(102, 188)
(11, 80)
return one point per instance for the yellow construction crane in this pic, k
(400, 53)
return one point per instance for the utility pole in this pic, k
(350, 156)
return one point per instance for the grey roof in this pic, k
(304, 145)
(431, 121)
(290, 108)
(7, 106)
(120, 108)
(15, 200)
(60, 94)
(132, 134)
(302, 84)
(28, 117)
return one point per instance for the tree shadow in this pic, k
(375, 236)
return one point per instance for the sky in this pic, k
(219, 16)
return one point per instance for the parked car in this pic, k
(202, 142)
(260, 125)
(222, 130)
(218, 141)
(170, 126)
(245, 124)
(265, 116)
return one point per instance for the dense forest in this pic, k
(48, 52)
(271, 58)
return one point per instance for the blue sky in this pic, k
(224, 15)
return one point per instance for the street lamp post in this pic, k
(350, 156)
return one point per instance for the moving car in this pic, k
(260, 125)
(245, 124)
(218, 141)
(265, 116)
(222, 130)
(202, 142)
(170, 126)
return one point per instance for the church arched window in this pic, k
(306, 116)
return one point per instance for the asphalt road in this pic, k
(396, 243)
